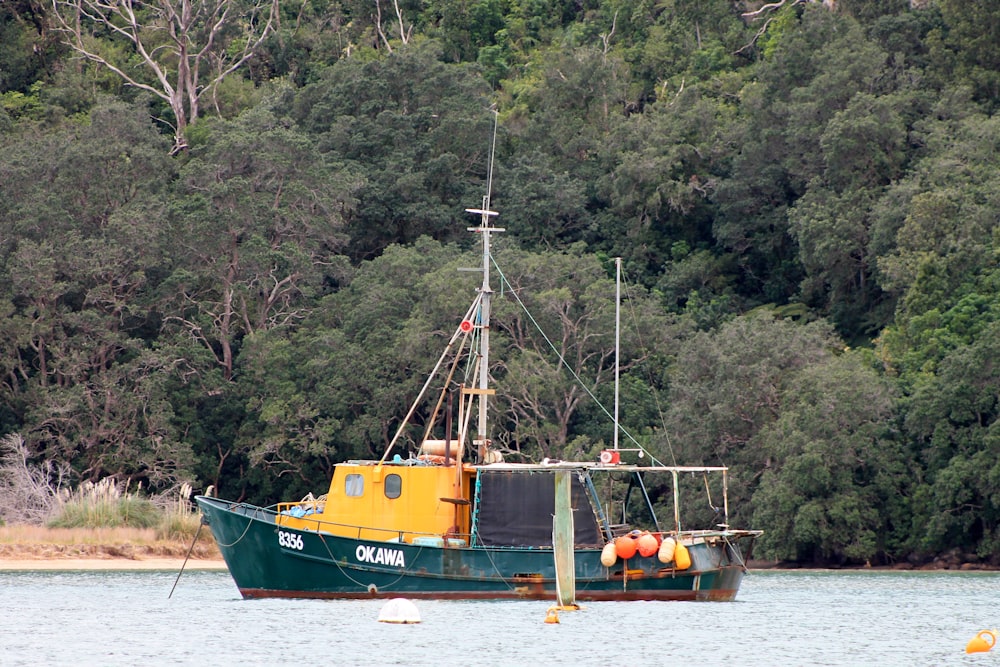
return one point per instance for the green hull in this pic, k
(266, 560)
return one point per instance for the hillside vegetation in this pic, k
(230, 229)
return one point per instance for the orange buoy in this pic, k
(682, 559)
(982, 642)
(609, 555)
(625, 546)
(666, 553)
(647, 545)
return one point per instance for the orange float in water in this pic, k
(647, 545)
(625, 546)
(982, 642)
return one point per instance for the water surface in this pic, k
(781, 618)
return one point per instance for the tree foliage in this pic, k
(230, 235)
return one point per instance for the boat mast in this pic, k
(618, 326)
(486, 293)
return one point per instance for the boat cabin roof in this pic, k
(553, 466)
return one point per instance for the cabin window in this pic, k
(393, 486)
(354, 485)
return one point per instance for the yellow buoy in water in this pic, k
(552, 616)
(982, 642)
(682, 559)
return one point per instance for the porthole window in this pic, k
(393, 486)
(354, 485)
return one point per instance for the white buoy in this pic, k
(399, 610)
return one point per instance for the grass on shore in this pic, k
(42, 542)
(104, 520)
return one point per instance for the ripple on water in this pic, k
(781, 618)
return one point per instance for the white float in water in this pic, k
(399, 610)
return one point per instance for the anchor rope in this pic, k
(250, 521)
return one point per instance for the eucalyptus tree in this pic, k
(186, 48)
(865, 147)
(660, 172)
(256, 228)
(942, 226)
(953, 420)
(728, 384)
(569, 105)
(83, 247)
(823, 129)
(256, 231)
(968, 45)
(338, 386)
(836, 481)
(414, 132)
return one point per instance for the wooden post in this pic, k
(563, 541)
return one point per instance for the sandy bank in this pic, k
(171, 564)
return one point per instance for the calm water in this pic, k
(858, 618)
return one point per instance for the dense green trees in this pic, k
(245, 291)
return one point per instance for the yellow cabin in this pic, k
(389, 502)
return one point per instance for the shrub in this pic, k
(179, 520)
(105, 504)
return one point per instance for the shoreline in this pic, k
(120, 564)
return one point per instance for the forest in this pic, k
(230, 233)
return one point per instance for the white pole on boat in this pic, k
(486, 292)
(677, 501)
(618, 322)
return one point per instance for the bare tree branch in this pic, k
(404, 34)
(178, 42)
(771, 6)
(606, 38)
(378, 25)
(769, 10)
(28, 492)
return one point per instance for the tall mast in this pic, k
(486, 290)
(618, 326)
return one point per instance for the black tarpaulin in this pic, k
(516, 508)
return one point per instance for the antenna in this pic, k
(493, 152)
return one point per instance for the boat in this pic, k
(452, 519)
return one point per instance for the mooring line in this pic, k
(190, 549)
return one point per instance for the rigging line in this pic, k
(733, 551)
(649, 379)
(250, 521)
(444, 391)
(562, 360)
(347, 575)
(708, 492)
(430, 379)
